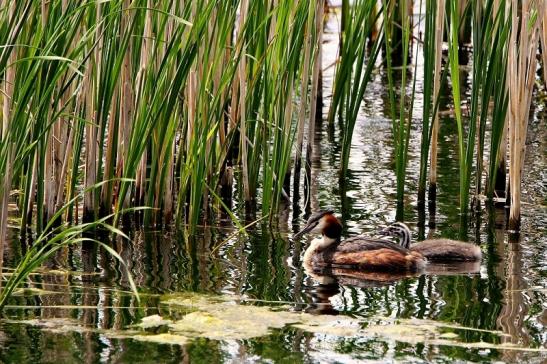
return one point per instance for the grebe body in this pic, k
(360, 252)
(434, 250)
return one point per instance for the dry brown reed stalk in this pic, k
(544, 43)
(302, 111)
(63, 138)
(127, 106)
(145, 62)
(49, 170)
(439, 26)
(66, 138)
(317, 65)
(7, 95)
(522, 62)
(242, 69)
(91, 129)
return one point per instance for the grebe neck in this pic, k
(317, 245)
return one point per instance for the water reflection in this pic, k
(320, 295)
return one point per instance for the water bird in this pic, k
(434, 250)
(360, 252)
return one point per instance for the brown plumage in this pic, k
(369, 254)
(381, 260)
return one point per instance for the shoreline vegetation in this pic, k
(185, 107)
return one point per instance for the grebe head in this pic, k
(400, 231)
(323, 222)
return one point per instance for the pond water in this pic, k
(245, 298)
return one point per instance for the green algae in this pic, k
(193, 316)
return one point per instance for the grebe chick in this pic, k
(434, 250)
(360, 252)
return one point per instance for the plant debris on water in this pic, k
(222, 318)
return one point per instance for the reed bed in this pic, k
(179, 105)
(158, 100)
(500, 80)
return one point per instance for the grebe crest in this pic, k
(400, 231)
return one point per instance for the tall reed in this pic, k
(432, 48)
(125, 92)
(454, 63)
(399, 12)
(432, 140)
(521, 68)
(161, 100)
(354, 69)
(490, 34)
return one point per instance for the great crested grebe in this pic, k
(434, 250)
(360, 252)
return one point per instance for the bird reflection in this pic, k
(319, 297)
(354, 277)
(329, 280)
(453, 268)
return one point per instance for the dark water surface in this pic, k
(504, 303)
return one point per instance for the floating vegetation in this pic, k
(32, 291)
(221, 318)
(153, 321)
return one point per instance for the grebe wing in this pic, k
(383, 259)
(364, 243)
(370, 254)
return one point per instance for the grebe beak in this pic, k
(309, 227)
(312, 223)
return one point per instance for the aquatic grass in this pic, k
(127, 89)
(454, 65)
(401, 124)
(109, 91)
(490, 34)
(496, 90)
(432, 49)
(55, 237)
(354, 70)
